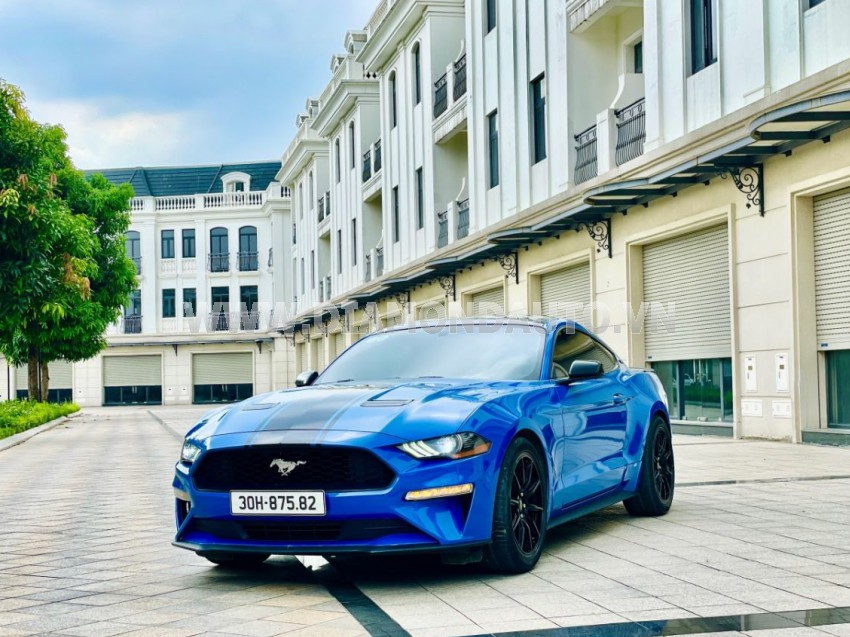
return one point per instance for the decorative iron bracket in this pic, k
(371, 311)
(510, 264)
(448, 285)
(323, 328)
(600, 232)
(403, 299)
(289, 336)
(749, 180)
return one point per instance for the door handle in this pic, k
(620, 399)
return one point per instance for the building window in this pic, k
(420, 201)
(491, 15)
(354, 242)
(637, 58)
(190, 302)
(133, 243)
(396, 220)
(133, 313)
(813, 3)
(248, 310)
(169, 303)
(698, 390)
(417, 74)
(167, 244)
(339, 251)
(220, 315)
(702, 35)
(188, 244)
(837, 381)
(248, 254)
(219, 250)
(352, 159)
(538, 118)
(493, 147)
(393, 101)
(337, 161)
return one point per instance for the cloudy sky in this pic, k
(170, 82)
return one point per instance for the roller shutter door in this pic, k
(131, 371)
(339, 343)
(566, 293)
(832, 267)
(320, 354)
(488, 302)
(301, 357)
(690, 274)
(235, 368)
(22, 378)
(61, 375)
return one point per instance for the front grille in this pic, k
(325, 468)
(346, 531)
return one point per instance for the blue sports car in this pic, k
(469, 438)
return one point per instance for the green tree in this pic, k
(66, 271)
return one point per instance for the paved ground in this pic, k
(86, 521)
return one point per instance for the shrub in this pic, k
(19, 415)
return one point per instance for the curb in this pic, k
(19, 439)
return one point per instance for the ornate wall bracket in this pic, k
(600, 232)
(448, 285)
(403, 299)
(510, 264)
(749, 180)
(323, 328)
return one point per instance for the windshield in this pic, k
(483, 352)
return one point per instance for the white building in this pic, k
(204, 240)
(537, 127)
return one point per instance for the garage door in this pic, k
(132, 380)
(320, 354)
(489, 302)
(60, 386)
(566, 293)
(301, 357)
(222, 377)
(339, 343)
(689, 277)
(832, 268)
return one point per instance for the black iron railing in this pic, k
(367, 264)
(460, 78)
(585, 155)
(249, 321)
(133, 324)
(248, 261)
(441, 95)
(631, 132)
(377, 166)
(218, 262)
(462, 218)
(271, 257)
(442, 229)
(320, 207)
(379, 262)
(218, 321)
(137, 261)
(294, 233)
(367, 165)
(328, 203)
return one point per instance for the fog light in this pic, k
(439, 492)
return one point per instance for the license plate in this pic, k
(277, 502)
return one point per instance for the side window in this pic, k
(578, 346)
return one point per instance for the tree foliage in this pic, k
(62, 249)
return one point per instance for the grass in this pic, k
(19, 415)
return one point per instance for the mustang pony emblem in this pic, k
(285, 467)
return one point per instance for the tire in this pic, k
(520, 510)
(236, 560)
(657, 480)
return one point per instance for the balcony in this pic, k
(631, 132)
(459, 89)
(367, 266)
(324, 206)
(218, 321)
(320, 207)
(443, 229)
(168, 266)
(223, 321)
(137, 261)
(248, 261)
(586, 166)
(441, 95)
(376, 167)
(462, 218)
(379, 262)
(367, 166)
(218, 262)
(249, 321)
(132, 324)
(209, 201)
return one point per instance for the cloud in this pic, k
(98, 138)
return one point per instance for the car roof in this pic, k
(547, 323)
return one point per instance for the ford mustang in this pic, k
(469, 438)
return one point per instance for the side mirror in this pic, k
(584, 370)
(306, 378)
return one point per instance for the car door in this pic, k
(595, 415)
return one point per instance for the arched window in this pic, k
(248, 249)
(417, 74)
(134, 249)
(393, 101)
(353, 158)
(311, 192)
(219, 251)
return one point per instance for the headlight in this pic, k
(455, 446)
(191, 451)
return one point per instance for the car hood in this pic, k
(405, 410)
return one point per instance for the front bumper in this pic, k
(356, 521)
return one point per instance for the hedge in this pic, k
(19, 415)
